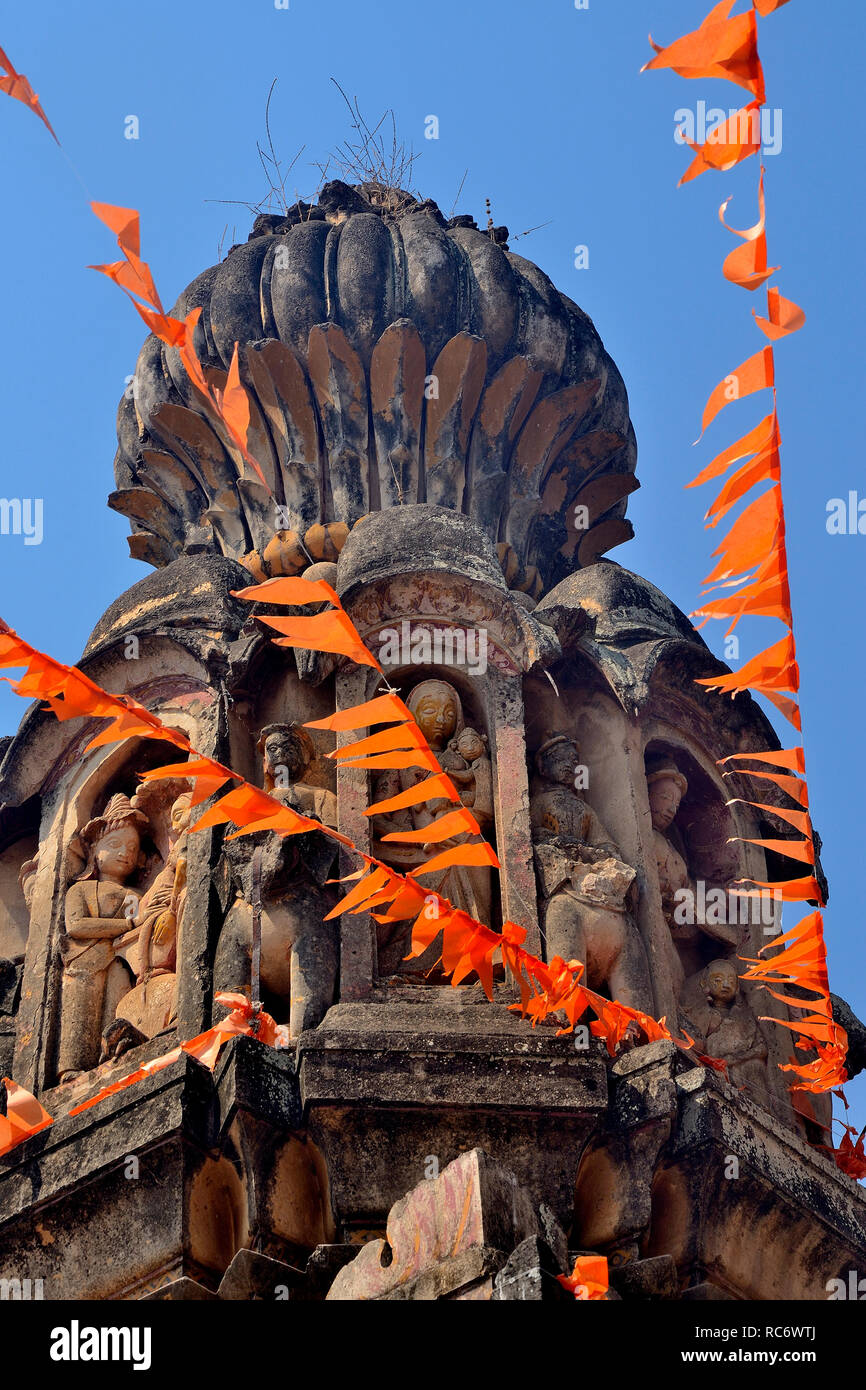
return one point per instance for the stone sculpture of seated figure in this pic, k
(100, 907)
(716, 1014)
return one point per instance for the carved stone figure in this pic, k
(666, 787)
(300, 949)
(462, 752)
(717, 1015)
(151, 1005)
(287, 752)
(583, 882)
(99, 908)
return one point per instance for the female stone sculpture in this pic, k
(438, 712)
(99, 908)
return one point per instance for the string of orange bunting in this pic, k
(468, 946)
(751, 573)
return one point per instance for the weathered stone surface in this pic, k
(447, 1235)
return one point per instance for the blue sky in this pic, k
(544, 105)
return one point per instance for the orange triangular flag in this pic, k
(755, 374)
(293, 589)
(773, 669)
(325, 632)
(452, 823)
(756, 441)
(468, 855)
(429, 789)
(24, 1116)
(384, 709)
(793, 758)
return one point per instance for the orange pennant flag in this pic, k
(721, 47)
(756, 441)
(452, 823)
(431, 788)
(324, 632)
(16, 85)
(468, 855)
(791, 890)
(293, 589)
(421, 757)
(773, 669)
(728, 143)
(792, 785)
(246, 804)
(384, 709)
(369, 885)
(233, 408)
(755, 374)
(24, 1116)
(789, 708)
(803, 850)
(406, 735)
(750, 538)
(764, 467)
(766, 7)
(799, 819)
(784, 316)
(794, 758)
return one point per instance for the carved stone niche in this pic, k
(76, 980)
(425, 588)
(586, 841)
(18, 858)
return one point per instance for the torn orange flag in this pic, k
(431, 788)
(721, 47)
(24, 1116)
(756, 441)
(471, 856)
(755, 374)
(408, 903)
(751, 537)
(767, 596)
(296, 590)
(851, 1157)
(764, 467)
(332, 631)
(728, 143)
(588, 1280)
(383, 709)
(773, 669)
(369, 885)
(16, 85)
(784, 316)
(452, 823)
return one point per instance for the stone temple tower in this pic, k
(445, 439)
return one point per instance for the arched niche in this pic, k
(19, 843)
(582, 706)
(269, 691)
